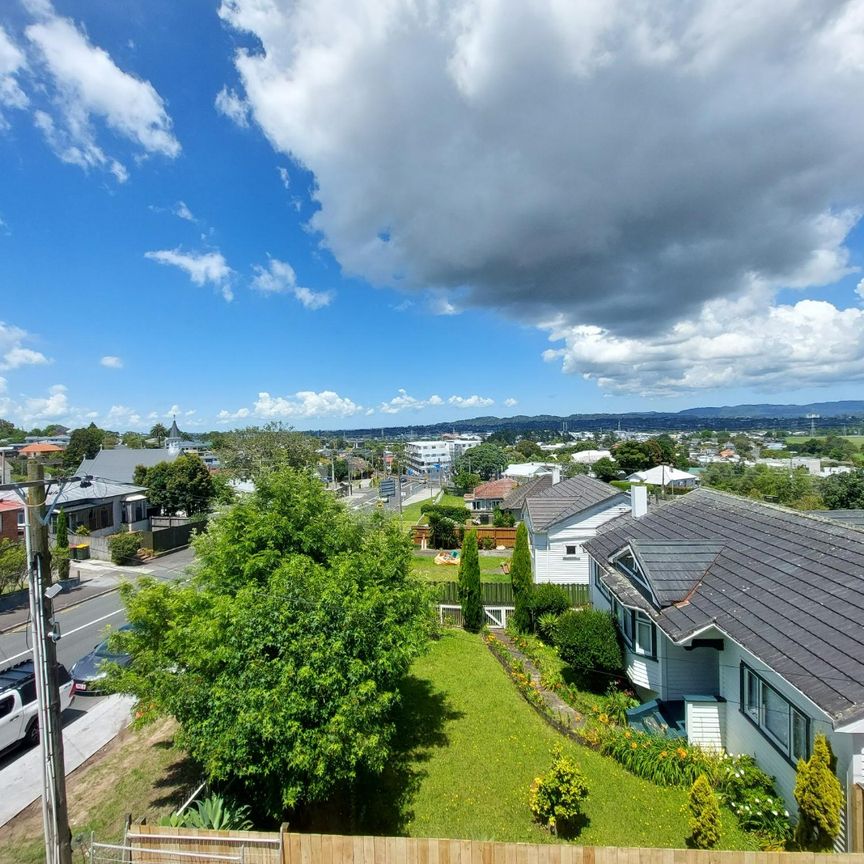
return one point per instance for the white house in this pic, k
(521, 471)
(746, 621)
(561, 518)
(667, 476)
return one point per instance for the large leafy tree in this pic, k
(487, 460)
(84, 443)
(245, 453)
(635, 456)
(844, 491)
(281, 659)
(184, 484)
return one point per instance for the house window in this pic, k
(787, 728)
(646, 636)
(604, 591)
(571, 549)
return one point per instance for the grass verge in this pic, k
(140, 772)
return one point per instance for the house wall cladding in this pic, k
(549, 548)
(706, 722)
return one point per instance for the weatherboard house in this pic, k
(743, 626)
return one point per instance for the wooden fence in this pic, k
(505, 537)
(501, 593)
(259, 848)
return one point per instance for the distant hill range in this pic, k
(831, 415)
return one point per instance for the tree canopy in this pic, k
(844, 491)
(245, 453)
(281, 658)
(487, 460)
(184, 484)
(84, 443)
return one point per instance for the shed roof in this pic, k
(787, 586)
(567, 498)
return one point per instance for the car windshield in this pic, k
(102, 650)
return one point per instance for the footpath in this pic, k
(22, 778)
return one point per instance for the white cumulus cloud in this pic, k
(474, 401)
(279, 278)
(12, 61)
(182, 211)
(404, 402)
(510, 402)
(232, 106)
(111, 361)
(13, 353)
(201, 267)
(599, 165)
(87, 84)
(305, 403)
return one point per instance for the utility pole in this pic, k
(58, 837)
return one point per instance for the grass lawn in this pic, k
(468, 750)
(142, 773)
(490, 569)
(411, 514)
(858, 440)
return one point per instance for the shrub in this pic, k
(60, 554)
(487, 543)
(546, 624)
(522, 580)
(503, 518)
(704, 815)
(820, 799)
(82, 531)
(13, 565)
(616, 702)
(556, 797)
(664, 761)
(448, 511)
(547, 598)
(587, 641)
(469, 584)
(123, 547)
(212, 813)
(442, 532)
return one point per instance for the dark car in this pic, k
(89, 671)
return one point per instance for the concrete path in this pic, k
(21, 781)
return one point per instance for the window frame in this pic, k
(568, 547)
(755, 715)
(605, 593)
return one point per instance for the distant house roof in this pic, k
(8, 506)
(567, 498)
(78, 495)
(494, 490)
(786, 585)
(662, 475)
(527, 469)
(589, 457)
(33, 449)
(516, 498)
(119, 464)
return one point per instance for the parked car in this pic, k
(19, 720)
(89, 670)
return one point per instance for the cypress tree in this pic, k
(61, 550)
(704, 815)
(522, 580)
(820, 799)
(469, 584)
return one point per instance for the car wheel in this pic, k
(31, 739)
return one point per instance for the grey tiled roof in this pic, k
(565, 499)
(674, 567)
(516, 498)
(853, 518)
(788, 586)
(119, 464)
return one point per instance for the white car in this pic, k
(18, 709)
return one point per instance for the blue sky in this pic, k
(374, 225)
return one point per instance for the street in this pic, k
(82, 626)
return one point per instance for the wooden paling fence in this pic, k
(292, 848)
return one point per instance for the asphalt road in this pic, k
(82, 627)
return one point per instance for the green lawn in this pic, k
(411, 514)
(490, 569)
(858, 440)
(468, 750)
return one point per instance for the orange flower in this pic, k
(682, 753)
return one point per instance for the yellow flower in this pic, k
(663, 754)
(628, 734)
(604, 718)
(682, 753)
(633, 746)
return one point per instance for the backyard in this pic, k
(468, 749)
(490, 568)
(411, 514)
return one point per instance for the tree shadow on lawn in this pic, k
(382, 803)
(178, 780)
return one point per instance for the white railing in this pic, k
(494, 617)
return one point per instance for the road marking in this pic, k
(68, 633)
